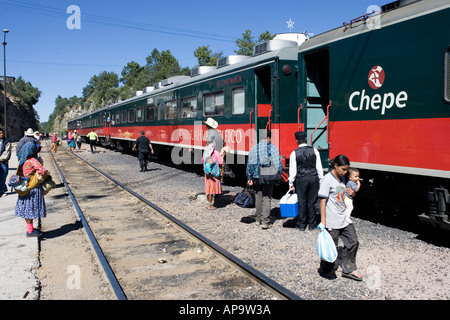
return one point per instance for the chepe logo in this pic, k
(370, 101)
(376, 77)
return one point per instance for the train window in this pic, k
(238, 100)
(447, 75)
(131, 115)
(139, 114)
(213, 104)
(171, 110)
(189, 107)
(150, 113)
(123, 117)
(117, 118)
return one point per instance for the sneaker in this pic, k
(266, 226)
(35, 233)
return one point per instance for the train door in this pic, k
(317, 101)
(107, 127)
(263, 100)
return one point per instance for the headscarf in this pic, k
(29, 149)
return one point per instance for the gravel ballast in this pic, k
(396, 264)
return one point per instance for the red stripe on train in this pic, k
(239, 137)
(417, 143)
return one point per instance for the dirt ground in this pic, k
(68, 267)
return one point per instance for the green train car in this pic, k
(376, 89)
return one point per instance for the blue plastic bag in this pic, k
(326, 249)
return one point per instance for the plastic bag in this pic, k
(326, 248)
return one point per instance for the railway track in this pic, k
(147, 253)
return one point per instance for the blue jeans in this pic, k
(3, 175)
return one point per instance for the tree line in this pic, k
(108, 88)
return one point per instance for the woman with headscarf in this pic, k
(32, 205)
(213, 184)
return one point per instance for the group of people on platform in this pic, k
(30, 205)
(334, 191)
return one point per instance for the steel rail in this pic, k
(118, 291)
(259, 277)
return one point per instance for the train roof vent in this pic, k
(201, 70)
(158, 85)
(273, 45)
(232, 59)
(173, 80)
(292, 36)
(138, 93)
(148, 89)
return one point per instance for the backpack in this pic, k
(246, 198)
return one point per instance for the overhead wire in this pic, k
(115, 22)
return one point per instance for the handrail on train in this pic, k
(298, 116)
(328, 128)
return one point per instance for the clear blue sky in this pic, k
(61, 61)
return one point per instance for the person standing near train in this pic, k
(93, 139)
(144, 148)
(333, 218)
(265, 149)
(214, 145)
(305, 173)
(213, 134)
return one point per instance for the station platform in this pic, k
(19, 253)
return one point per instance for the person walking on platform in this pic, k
(305, 173)
(93, 139)
(263, 199)
(32, 205)
(5, 155)
(77, 137)
(333, 217)
(144, 148)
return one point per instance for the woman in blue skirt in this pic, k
(32, 205)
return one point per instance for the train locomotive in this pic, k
(376, 89)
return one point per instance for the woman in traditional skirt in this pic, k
(213, 185)
(32, 205)
(70, 141)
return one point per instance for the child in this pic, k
(209, 162)
(355, 184)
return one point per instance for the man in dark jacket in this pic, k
(305, 173)
(144, 148)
